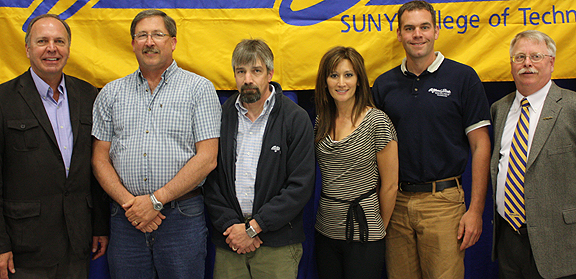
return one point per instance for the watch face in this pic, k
(251, 232)
(158, 206)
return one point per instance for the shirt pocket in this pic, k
(177, 119)
(23, 134)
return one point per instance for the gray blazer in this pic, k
(550, 181)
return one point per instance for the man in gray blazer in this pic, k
(544, 243)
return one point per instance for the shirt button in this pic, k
(415, 89)
(65, 147)
(145, 179)
(417, 79)
(147, 132)
(149, 109)
(61, 127)
(144, 154)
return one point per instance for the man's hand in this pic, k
(99, 245)
(141, 213)
(6, 264)
(255, 245)
(238, 239)
(152, 225)
(471, 228)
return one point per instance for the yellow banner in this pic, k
(299, 32)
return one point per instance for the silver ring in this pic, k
(234, 249)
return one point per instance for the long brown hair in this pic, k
(325, 105)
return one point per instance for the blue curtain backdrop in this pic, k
(477, 261)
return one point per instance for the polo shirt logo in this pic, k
(440, 92)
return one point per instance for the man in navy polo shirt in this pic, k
(440, 111)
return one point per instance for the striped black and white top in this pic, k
(349, 169)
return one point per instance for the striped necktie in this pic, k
(514, 186)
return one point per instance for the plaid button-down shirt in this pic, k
(153, 135)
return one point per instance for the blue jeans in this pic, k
(177, 249)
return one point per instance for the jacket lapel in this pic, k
(29, 93)
(73, 107)
(499, 122)
(548, 118)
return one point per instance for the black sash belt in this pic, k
(355, 211)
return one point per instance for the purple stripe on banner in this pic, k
(198, 4)
(16, 4)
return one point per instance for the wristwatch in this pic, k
(157, 205)
(250, 230)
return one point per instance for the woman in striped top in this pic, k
(358, 156)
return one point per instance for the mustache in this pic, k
(527, 70)
(248, 86)
(150, 49)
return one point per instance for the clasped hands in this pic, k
(239, 241)
(142, 215)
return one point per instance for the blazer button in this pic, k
(66, 193)
(22, 126)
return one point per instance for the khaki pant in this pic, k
(265, 262)
(421, 240)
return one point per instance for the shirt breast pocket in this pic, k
(23, 134)
(177, 118)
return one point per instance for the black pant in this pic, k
(337, 259)
(515, 258)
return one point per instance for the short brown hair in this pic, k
(34, 20)
(169, 22)
(416, 5)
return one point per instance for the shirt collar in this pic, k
(432, 68)
(268, 104)
(169, 72)
(536, 99)
(44, 89)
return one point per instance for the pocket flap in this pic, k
(86, 119)
(569, 216)
(20, 210)
(22, 124)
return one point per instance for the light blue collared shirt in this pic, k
(248, 147)
(59, 115)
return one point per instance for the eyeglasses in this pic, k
(534, 57)
(143, 36)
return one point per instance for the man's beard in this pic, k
(250, 93)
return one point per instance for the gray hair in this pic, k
(535, 36)
(249, 51)
(34, 20)
(168, 21)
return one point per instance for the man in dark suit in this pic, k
(533, 167)
(52, 212)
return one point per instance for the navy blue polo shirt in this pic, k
(432, 114)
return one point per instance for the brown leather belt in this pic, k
(197, 191)
(429, 186)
